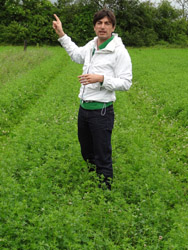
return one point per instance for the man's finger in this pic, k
(57, 18)
(84, 75)
(81, 76)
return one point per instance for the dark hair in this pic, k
(104, 13)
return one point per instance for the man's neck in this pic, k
(103, 43)
(99, 42)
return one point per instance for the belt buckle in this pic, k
(86, 101)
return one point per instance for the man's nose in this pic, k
(102, 25)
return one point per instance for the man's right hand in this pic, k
(57, 25)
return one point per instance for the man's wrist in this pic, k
(101, 78)
(61, 34)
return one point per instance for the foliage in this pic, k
(168, 27)
(138, 23)
(27, 20)
(184, 7)
(49, 200)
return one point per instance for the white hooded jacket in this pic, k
(113, 62)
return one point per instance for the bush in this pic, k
(15, 33)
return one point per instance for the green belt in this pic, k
(92, 105)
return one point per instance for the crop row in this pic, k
(162, 96)
(15, 62)
(19, 94)
(48, 198)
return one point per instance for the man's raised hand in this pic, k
(57, 25)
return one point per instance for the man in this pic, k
(106, 68)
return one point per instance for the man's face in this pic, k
(103, 29)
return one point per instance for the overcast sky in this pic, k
(153, 1)
(173, 2)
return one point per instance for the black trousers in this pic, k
(94, 134)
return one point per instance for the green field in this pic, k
(49, 200)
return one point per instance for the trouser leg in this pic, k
(102, 148)
(94, 132)
(85, 139)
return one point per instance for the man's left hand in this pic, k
(90, 78)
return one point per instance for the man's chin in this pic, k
(103, 38)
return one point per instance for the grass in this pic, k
(48, 200)
(14, 62)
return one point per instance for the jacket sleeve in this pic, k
(76, 53)
(122, 79)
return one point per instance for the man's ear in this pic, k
(94, 28)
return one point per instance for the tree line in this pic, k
(138, 23)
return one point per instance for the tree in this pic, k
(138, 23)
(135, 22)
(168, 24)
(26, 19)
(184, 5)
